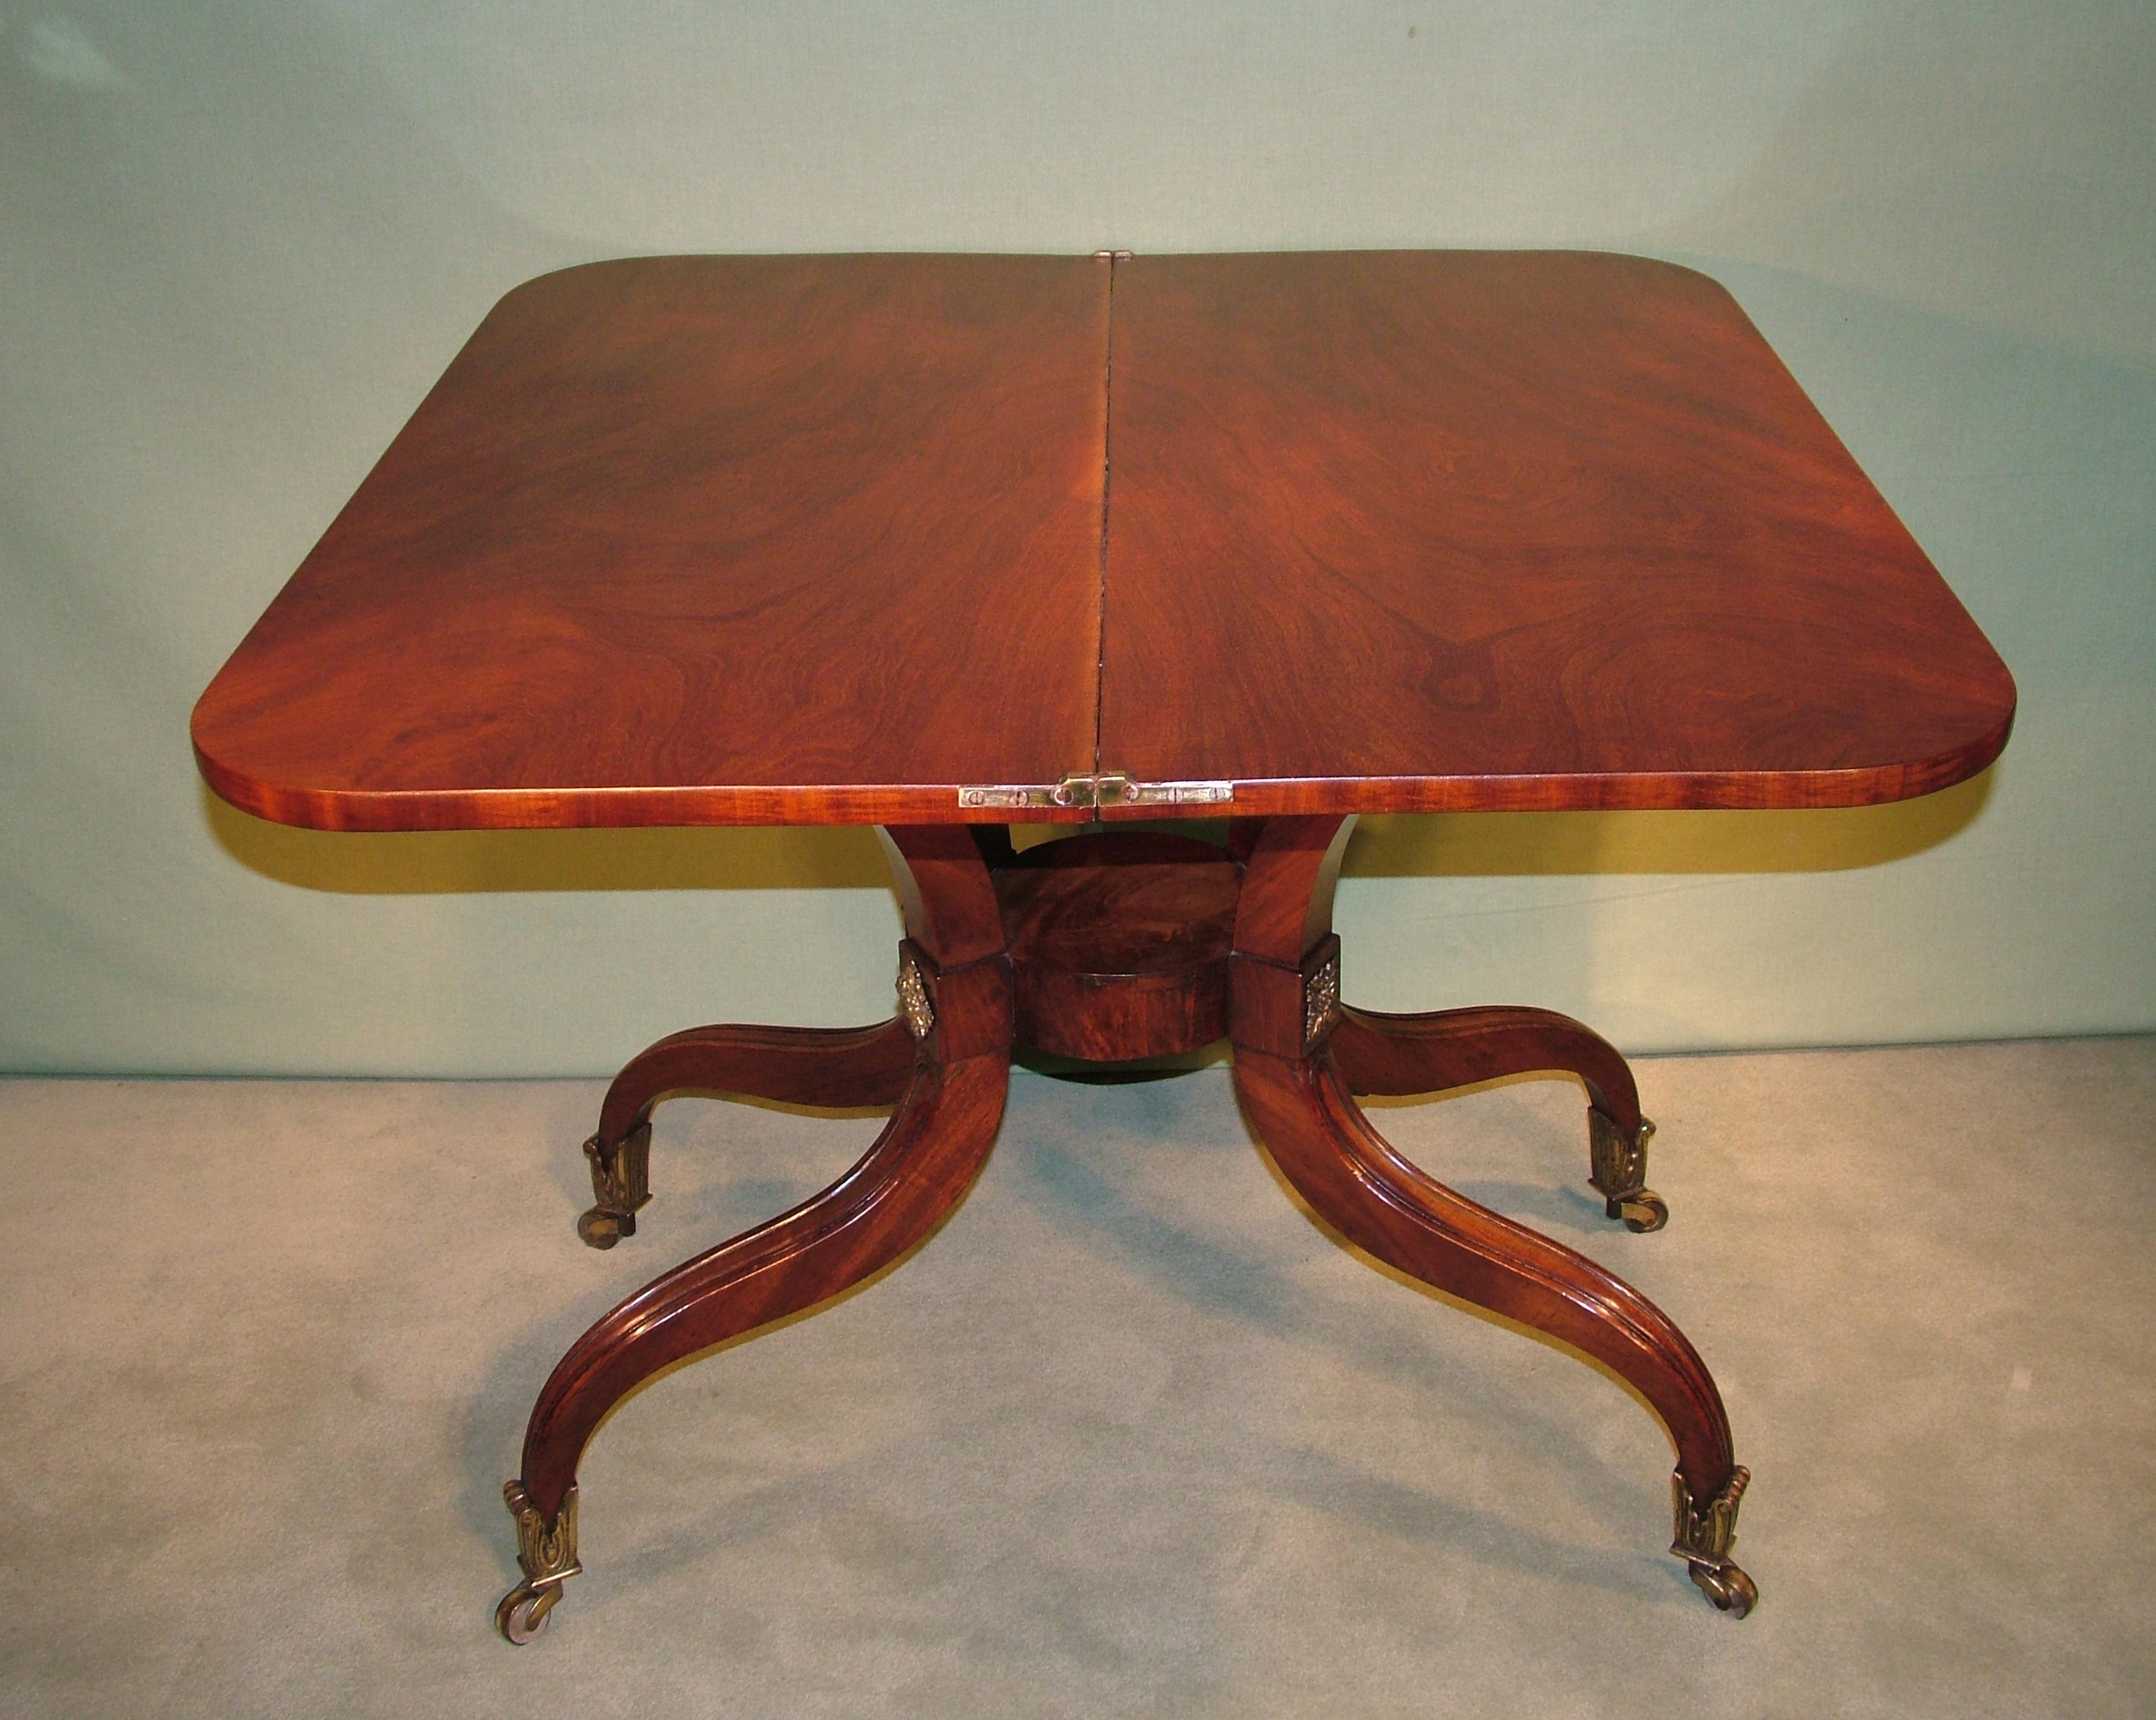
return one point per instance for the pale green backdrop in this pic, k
(237, 242)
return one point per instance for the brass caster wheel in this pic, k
(546, 1553)
(1620, 1175)
(621, 1184)
(521, 1617)
(1641, 1212)
(1704, 1534)
(1727, 1587)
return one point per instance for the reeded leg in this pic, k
(924, 1160)
(1288, 1026)
(1354, 1180)
(794, 1066)
(954, 989)
(1455, 1048)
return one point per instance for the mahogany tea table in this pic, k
(944, 544)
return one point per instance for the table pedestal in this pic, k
(1105, 946)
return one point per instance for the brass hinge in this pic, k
(1111, 788)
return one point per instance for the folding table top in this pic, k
(914, 539)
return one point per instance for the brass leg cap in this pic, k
(546, 1553)
(1620, 1172)
(1702, 1540)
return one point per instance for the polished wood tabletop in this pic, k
(1422, 531)
(690, 540)
(861, 539)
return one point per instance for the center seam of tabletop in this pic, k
(1107, 478)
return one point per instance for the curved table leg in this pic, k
(1354, 1180)
(954, 990)
(1285, 1021)
(795, 1066)
(1455, 1048)
(924, 1160)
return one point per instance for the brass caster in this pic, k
(1620, 1172)
(521, 1617)
(1704, 1533)
(1642, 1212)
(621, 1184)
(1727, 1587)
(546, 1553)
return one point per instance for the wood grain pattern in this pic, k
(1432, 530)
(704, 540)
(924, 1160)
(1119, 944)
(1356, 1182)
(832, 1066)
(1299, 1107)
(1113, 944)
(1434, 1052)
(945, 894)
(918, 1167)
(820, 539)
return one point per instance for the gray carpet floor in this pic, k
(1130, 1436)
